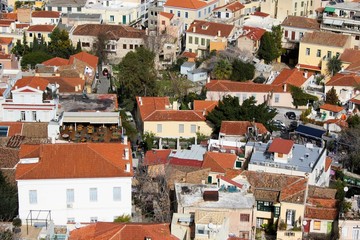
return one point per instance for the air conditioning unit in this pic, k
(69, 205)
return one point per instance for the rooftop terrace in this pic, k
(72, 102)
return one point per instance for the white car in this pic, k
(129, 116)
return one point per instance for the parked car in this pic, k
(278, 125)
(129, 117)
(290, 115)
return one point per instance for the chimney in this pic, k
(140, 101)
(126, 153)
(15, 87)
(306, 74)
(38, 87)
(79, 87)
(285, 86)
(125, 139)
(194, 29)
(219, 33)
(204, 112)
(76, 88)
(127, 167)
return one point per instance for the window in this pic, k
(196, 40)
(357, 37)
(193, 128)
(302, 4)
(207, 42)
(93, 194)
(301, 34)
(199, 14)
(337, 54)
(318, 53)
(34, 115)
(181, 128)
(307, 51)
(186, 26)
(290, 217)
(178, 13)
(124, 46)
(190, 40)
(203, 41)
(244, 97)
(112, 18)
(244, 217)
(264, 206)
(30, 35)
(163, 22)
(131, 46)
(277, 98)
(317, 225)
(329, 54)
(70, 220)
(159, 128)
(238, 164)
(22, 116)
(59, 9)
(85, 44)
(171, 11)
(186, 15)
(93, 219)
(32, 196)
(117, 193)
(356, 233)
(49, 8)
(69, 9)
(39, 35)
(286, 33)
(277, 212)
(4, 131)
(227, 15)
(295, 6)
(70, 195)
(78, 9)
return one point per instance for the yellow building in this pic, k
(39, 31)
(317, 47)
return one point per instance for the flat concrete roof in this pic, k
(195, 153)
(193, 197)
(66, 3)
(77, 102)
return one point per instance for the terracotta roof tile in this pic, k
(219, 162)
(293, 77)
(67, 85)
(189, 54)
(10, 16)
(208, 106)
(279, 145)
(22, 25)
(232, 86)
(191, 4)
(260, 14)
(175, 115)
(174, 161)
(153, 157)
(253, 33)
(35, 130)
(6, 40)
(232, 173)
(322, 202)
(233, 7)
(309, 67)
(29, 151)
(56, 61)
(332, 108)
(301, 22)
(321, 213)
(15, 128)
(294, 192)
(123, 231)
(41, 28)
(321, 192)
(240, 128)
(350, 55)
(147, 105)
(46, 14)
(89, 160)
(113, 32)
(34, 82)
(340, 122)
(167, 15)
(340, 79)
(210, 28)
(8, 157)
(88, 58)
(325, 39)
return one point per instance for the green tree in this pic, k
(25, 43)
(222, 69)
(123, 219)
(35, 44)
(270, 45)
(332, 97)
(334, 65)
(242, 71)
(300, 98)
(78, 47)
(18, 49)
(34, 58)
(349, 142)
(148, 139)
(190, 97)
(136, 75)
(60, 45)
(229, 109)
(353, 120)
(99, 47)
(8, 200)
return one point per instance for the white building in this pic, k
(30, 102)
(74, 182)
(285, 157)
(45, 17)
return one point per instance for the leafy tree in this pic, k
(334, 65)
(123, 219)
(18, 49)
(34, 58)
(177, 65)
(148, 139)
(349, 141)
(229, 109)
(332, 97)
(190, 97)
(60, 45)
(35, 44)
(277, 33)
(223, 69)
(259, 79)
(78, 47)
(353, 121)
(99, 47)
(270, 45)
(8, 200)
(300, 98)
(242, 71)
(136, 75)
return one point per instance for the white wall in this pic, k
(44, 21)
(51, 195)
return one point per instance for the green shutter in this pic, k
(329, 227)
(124, 19)
(209, 179)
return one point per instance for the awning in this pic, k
(328, 21)
(338, 22)
(329, 9)
(310, 132)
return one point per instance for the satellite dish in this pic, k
(77, 225)
(346, 189)
(210, 225)
(304, 223)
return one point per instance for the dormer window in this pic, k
(204, 27)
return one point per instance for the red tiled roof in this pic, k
(226, 179)
(29, 151)
(293, 77)
(340, 122)
(301, 22)
(123, 231)
(219, 162)
(154, 157)
(77, 160)
(321, 213)
(208, 106)
(85, 57)
(15, 128)
(240, 128)
(67, 85)
(41, 28)
(322, 202)
(328, 162)
(147, 105)
(280, 145)
(210, 28)
(233, 7)
(10, 16)
(175, 115)
(232, 86)
(6, 22)
(340, 79)
(22, 25)
(191, 4)
(113, 32)
(350, 55)
(260, 14)
(6, 40)
(189, 54)
(232, 173)
(309, 67)
(326, 39)
(185, 162)
(253, 33)
(298, 186)
(45, 14)
(332, 108)
(33, 82)
(56, 61)
(167, 15)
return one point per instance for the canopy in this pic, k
(329, 9)
(310, 131)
